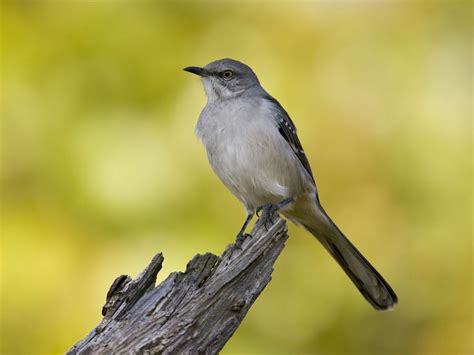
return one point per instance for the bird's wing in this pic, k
(287, 129)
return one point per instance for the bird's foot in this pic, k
(240, 239)
(268, 214)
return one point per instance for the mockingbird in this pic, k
(253, 147)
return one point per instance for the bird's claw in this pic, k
(268, 214)
(240, 239)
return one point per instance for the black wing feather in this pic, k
(287, 129)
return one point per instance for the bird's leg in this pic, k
(268, 211)
(276, 207)
(242, 235)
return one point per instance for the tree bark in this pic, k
(192, 312)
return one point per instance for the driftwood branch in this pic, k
(192, 312)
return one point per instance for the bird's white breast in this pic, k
(248, 153)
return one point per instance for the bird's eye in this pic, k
(227, 74)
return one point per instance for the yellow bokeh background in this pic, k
(101, 169)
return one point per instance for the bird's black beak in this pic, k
(197, 70)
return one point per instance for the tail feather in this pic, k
(364, 276)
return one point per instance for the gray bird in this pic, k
(252, 146)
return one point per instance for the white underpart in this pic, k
(247, 152)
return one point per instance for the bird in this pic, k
(253, 147)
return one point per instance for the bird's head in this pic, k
(225, 78)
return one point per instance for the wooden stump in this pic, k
(192, 312)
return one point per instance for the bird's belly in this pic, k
(259, 172)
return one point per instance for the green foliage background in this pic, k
(101, 169)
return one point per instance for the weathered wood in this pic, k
(192, 312)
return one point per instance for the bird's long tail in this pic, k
(369, 282)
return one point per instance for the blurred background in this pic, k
(101, 168)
